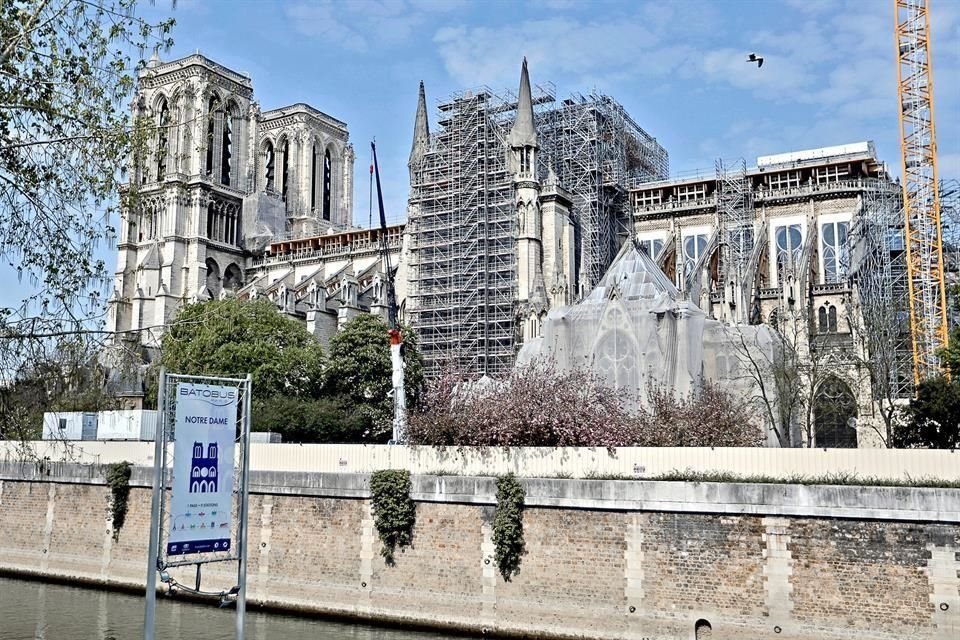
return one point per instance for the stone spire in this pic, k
(421, 129)
(524, 133)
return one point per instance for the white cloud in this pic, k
(318, 20)
(585, 52)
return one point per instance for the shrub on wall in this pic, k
(508, 526)
(394, 513)
(118, 479)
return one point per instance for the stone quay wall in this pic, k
(640, 560)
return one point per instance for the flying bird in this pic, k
(755, 58)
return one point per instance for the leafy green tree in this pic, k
(360, 371)
(67, 72)
(232, 337)
(933, 417)
(950, 356)
(298, 419)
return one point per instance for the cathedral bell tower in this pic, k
(532, 301)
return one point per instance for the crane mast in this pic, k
(921, 198)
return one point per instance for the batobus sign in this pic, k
(203, 460)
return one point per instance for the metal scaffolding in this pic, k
(462, 221)
(950, 224)
(736, 221)
(878, 267)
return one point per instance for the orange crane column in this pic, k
(921, 198)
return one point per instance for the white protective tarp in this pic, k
(636, 331)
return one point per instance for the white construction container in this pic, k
(69, 425)
(265, 437)
(127, 425)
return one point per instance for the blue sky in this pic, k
(678, 67)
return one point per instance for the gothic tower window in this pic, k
(326, 184)
(163, 122)
(284, 168)
(214, 114)
(226, 145)
(269, 167)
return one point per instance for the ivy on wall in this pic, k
(508, 526)
(118, 479)
(394, 512)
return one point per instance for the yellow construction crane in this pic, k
(921, 197)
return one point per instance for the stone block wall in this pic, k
(624, 560)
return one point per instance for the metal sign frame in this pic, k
(159, 560)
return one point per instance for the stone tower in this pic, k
(184, 238)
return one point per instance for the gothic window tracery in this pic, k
(789, 247)
(223, 222)
(693, 248)
(835, 414)
(833, 247)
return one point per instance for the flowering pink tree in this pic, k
(538, 405)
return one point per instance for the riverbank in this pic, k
(604, 558)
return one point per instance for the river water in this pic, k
(38, 611)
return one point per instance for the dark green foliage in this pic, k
(328, 420)
(933, 417)
(118, 479)
(359, 371)
(508, 526)
(951, 354)
(394, 512)
(232, 337)
(60, 376)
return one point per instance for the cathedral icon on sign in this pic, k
(203, 469)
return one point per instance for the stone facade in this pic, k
(595, 566)
(232, 201)
(805, 216)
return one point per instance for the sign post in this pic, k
(204, 519)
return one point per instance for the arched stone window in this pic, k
(827, 318)
(163, 125)
(213, 278)
(214, 122)
(226, 144)
(835, 415)
(702, 630)
(327, 171)
(269, 167)
(313, 179)
(232, 278)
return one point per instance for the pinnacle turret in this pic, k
(524, 132)
(421, 128)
